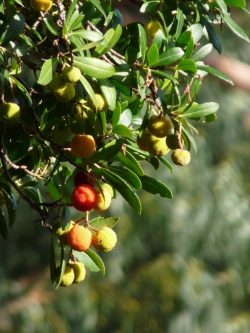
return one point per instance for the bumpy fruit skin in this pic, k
(79, 270)
(79, 238)
(101, 104)
(42, 5)
(83, 145)
(157, 146)
(181, 157)
(105, 239)
(68, 276)
(159, 126)
(71, 74)
(103, 201)
(84, 197)
(152, 28)
(65, 93)
(9, 113)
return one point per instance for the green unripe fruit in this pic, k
(79, 271)
(68, 277)
(101, 104)
(159, 126)
(105, 239)
(9, 113)
(173, 141)
(157, 146)
(65, 93)
(152, 27)
(79, 120)
(71, 74)
(56, 83)
(181, 157)
(60, 134)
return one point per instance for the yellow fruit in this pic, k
(65, 93)
(67, 277)
(152, 27)
(105, 239)
(42, 5)
(9, 113)
(79, 270)
(83, 145)
(101, 104)
(71, 74)
(159, 126)
(108, 188)
(157, 146)
(181, 157)
(56, 83)
(103, 200)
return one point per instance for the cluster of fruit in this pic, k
(80, 238)
(86, 197)
(157, 138)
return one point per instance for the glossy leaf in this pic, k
(169, 57)
(94, 67)
(100, 222)
(155, 186)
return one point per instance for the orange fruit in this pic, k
(83, 145)
(79, 238)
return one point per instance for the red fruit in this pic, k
(79, 238)
(84, 197)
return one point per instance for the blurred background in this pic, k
(182, 266)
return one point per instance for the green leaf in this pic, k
(10, 203)
(107, 152)
(100, 222)
(90, 35)
(215, 72)
(169, 57)
(122, 130)
(47, 70)
(187, 65)
(89, 90)
(142, 41)
(86, 260)
(155, 186)
(235, 27)
(94, 67)
(50, 24)
(152, 55)
(150, 6)
(236, 3)
(98, 6)
(14, 28)
(109, 93)
(180, 19)
(203, 52)
(97, 260)
(4, 228)
(122, 187)
(166, 163)
(197, 32)
(110, 39)
(200, 110)
(128, 175)
(213, 37)
(128, 160)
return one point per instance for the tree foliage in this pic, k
(138, 71)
